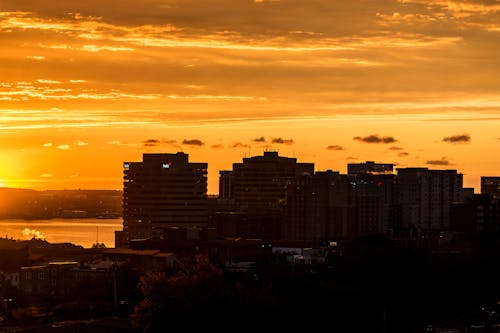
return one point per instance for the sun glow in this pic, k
(221, 80)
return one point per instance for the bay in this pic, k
(80, 231)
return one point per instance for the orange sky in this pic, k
(86, 85)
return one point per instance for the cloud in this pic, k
(395, 148)
(403, 154)
(63, 147)
(47, 144)
(442, 161)
(46, 175)
(238, 40)
(334, 147)
(261, 139)
(375, 138)
(81, 143)
(459, 138)
(351, 158)
(192, 142)
(170, 142)
(39, 58)
(240, 145)
(217, 146)
(119, 143)
(95, 48)
(151, 143)
(282, 141)
(48, 81)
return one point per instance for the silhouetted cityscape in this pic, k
(282, 245)
(272, 198)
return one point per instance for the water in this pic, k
(84, 232)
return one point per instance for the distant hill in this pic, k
(32, 204)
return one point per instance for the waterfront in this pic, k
(83, 231)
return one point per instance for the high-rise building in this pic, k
(225, 184)
(318, 208)
(259, 189)
(491, 186)
(373, 196)
(479, 214)
(425, 197)
(163, 191)
(260, 182)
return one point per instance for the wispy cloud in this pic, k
(36, 91)
(443, 161)
(125, 144)
(96, 48)
(334, 147)
(151, 143)
(216, 98)
(39, 58)
(240, 145)
(282, 141)
(81, 143)
(375, 138)
(192, 142)
(261, 139)
(48, 81)
(459, 138)
(96, 29)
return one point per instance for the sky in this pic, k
(87, 85)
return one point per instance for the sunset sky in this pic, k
(86, 85)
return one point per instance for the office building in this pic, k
(479, 214)
(318, 208)
(161, 192)
(260, 181)
(425, 197)
(491, 186)
(225, 184)
(374, 198)
(259, 189)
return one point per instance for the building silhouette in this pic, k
(426, 195)
(259, 190)
(161, 192)
(272, 197)
(491, 186)
(374, 197)
(225, 184)
(319, 208)
(479, 214)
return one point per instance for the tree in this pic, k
(98, 246)
(195, 290)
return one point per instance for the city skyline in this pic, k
(86, 86)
